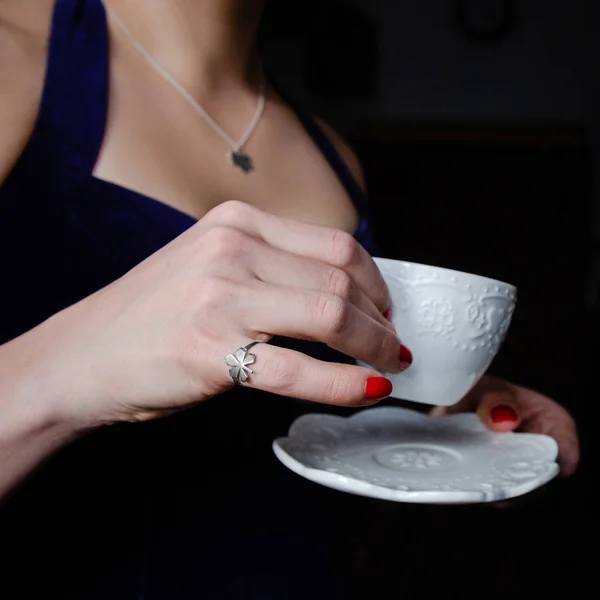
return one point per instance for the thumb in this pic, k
(499, 411)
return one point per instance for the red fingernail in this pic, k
(406, 357)
(377, 388)
(386, 313)
(503, 414)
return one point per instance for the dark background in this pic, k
(478, 126)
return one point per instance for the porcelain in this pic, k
(404, 456)
(453, 322)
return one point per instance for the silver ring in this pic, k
(239, 363)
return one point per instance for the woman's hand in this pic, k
(154, 341)
(503, 406)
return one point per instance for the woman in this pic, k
(129, 277)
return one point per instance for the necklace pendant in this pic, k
(241, 160)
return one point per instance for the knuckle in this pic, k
(381, 295)
(187, 352)
(345, 249)
(340, 283)
(224, 242)
(333, 312)
(216, 291)
(282, 374)
(339, 390)
(388, 350)
(232, 212)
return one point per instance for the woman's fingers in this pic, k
(293, 374)
(285, 269)
(324, 317)
(494, 401)
(336, 248)
(503, 406)
(499, 410)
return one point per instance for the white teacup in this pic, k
(453, 323)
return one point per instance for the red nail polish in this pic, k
(503, 414)
(386, 313)
(377, 388)
(406, 357)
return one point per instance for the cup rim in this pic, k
(482, 278)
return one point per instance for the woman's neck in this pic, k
(206, 44)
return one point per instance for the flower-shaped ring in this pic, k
(239, 363)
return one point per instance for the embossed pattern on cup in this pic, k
(453, 322)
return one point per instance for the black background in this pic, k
(511, 196)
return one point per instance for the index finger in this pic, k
(334, 247)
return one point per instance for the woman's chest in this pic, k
(165, 150)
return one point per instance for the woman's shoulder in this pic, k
(24, 32)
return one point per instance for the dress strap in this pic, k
(336, 162)
(69, 128)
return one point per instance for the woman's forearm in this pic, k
(34, 422)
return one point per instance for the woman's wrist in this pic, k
(38, 390)
(32, 421)
(35, 420)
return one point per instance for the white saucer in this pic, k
(405, 456)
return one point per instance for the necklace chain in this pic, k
(236, 155)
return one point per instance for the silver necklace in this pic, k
(236, 156)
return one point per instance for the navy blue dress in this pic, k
(193, 506)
